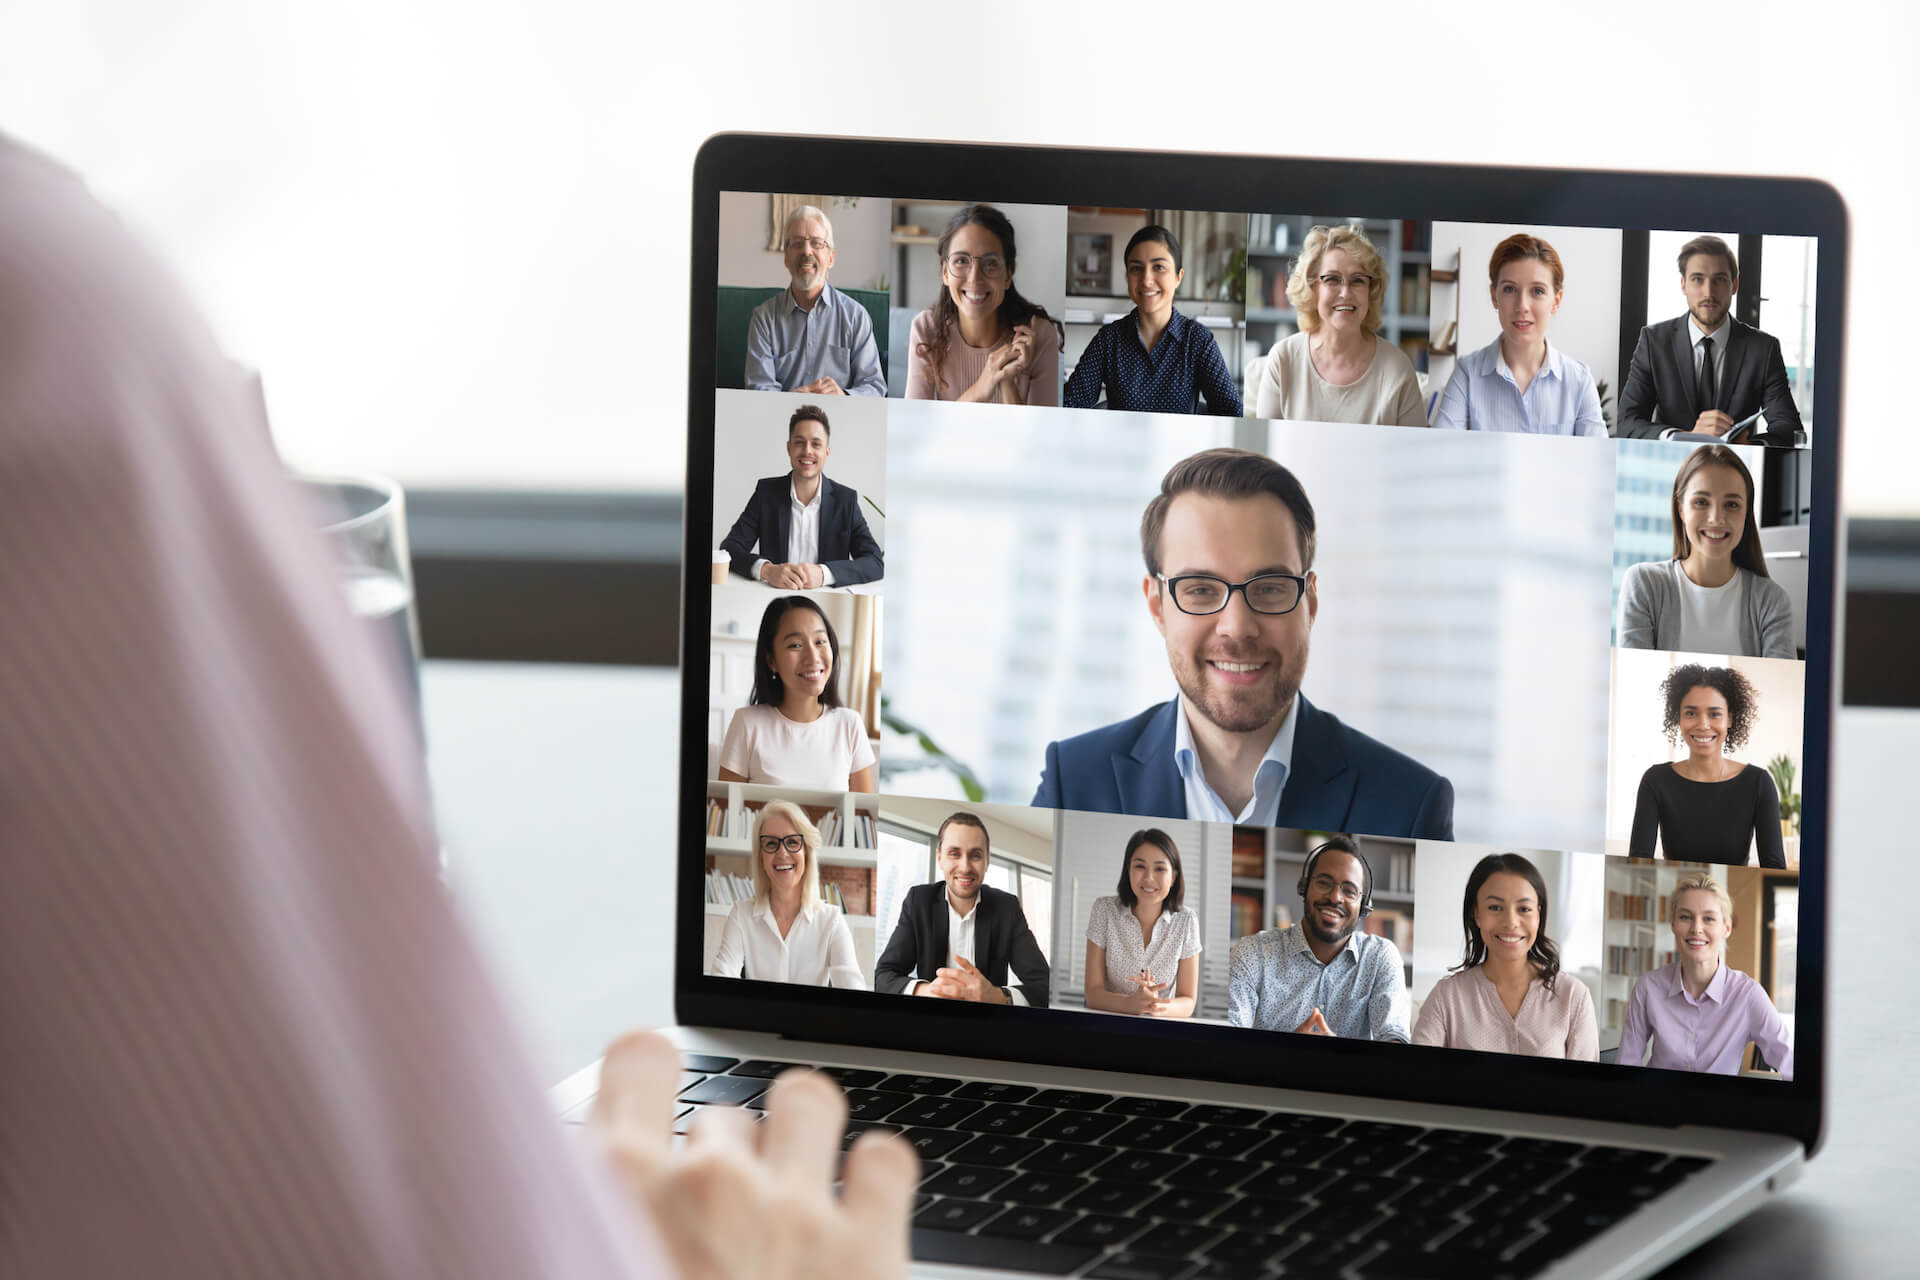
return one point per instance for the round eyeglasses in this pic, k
(1202, 594)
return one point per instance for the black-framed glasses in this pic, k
(991, 265)
(774, 844)
(1202, 593)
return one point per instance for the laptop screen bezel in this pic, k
(1462, 193)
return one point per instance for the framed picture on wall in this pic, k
(1090, 264)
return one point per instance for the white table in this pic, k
(554, 785)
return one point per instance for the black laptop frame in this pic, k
(1152, 1048)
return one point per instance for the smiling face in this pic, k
(962, 861)
(1237, 668)
(808, 255)
(1152, 278)
(1507, 913)
(1333, 897)
(1150, 875)
(1713, 511)
(1703, 721)
(1525, 298)
(1342, 307)
(978, 289)
(783, 855)
(807, 448)
(1700, 926)
(1708, 284)
(802, 654)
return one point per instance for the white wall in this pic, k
(860, 241)
(1040, 236)
(1587, 326)
(1638, 742)
(1576, 909)
(1022, 832)
(750, 444)
(1091, 845)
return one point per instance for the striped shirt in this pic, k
(1482, 395)
(245, 1033)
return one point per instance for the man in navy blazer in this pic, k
(1229, 546)
(1705, 371)
(809, 529)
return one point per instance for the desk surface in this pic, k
(554, 787)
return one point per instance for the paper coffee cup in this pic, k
(721, 562)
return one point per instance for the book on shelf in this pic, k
(726, 888)
(1393, 924)
(1247, 910)
(852, 888)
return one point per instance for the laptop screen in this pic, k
(1359, 626)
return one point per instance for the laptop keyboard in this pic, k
(1116, 1187)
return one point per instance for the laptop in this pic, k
(1214, 702)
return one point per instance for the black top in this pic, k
(1001, 941)
(1707, 821)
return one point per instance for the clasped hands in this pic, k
(1147, 997)
(1006, 363)
(820, 387)
(793, 577)
(962, 982)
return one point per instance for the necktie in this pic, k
(1709, 393)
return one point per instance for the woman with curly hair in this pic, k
(1708, 808)
(1507, 994)
(983, 342)
(1338, 368)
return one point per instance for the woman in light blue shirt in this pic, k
(1518, 382)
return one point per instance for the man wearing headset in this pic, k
(1323, 976)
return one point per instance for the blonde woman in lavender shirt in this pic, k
(1508, 994)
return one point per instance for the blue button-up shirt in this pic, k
(1269, 778)
(1184, 363)
(789, 346)
(1275, 982)
(1483, 396)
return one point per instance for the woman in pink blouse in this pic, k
(1508, 995)
(983, 342)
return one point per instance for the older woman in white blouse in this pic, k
(1143, 946)
(786, 932)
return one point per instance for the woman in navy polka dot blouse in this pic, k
(1153, 359)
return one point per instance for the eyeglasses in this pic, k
(1202, 594)
(991, 265)
(814, 243)
(1347, 891)
(1333, 280)
(774, 844)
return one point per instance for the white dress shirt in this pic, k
(817, 951)
(1269, 779)
(803, 532)
(960, 943)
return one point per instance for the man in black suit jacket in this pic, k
(1669, 387)
(809, 529)
(957, 938)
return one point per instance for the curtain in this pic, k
(859, 660)
(1207, 245)
(782, 208)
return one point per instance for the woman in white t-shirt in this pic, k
(786, 932)
(794, 732)
(1714, 595)
(1143, 947)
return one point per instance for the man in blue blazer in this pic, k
(809, 529)
(1229, 549)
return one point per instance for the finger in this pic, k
(878, 1183)
(635, 1106)
(966, 964)
(949, 974)
(806, 1114)
(722, 1127)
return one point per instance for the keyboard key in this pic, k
(711, 1064)
(1523, 1175)
(1245, 1214)
(1338, 1220)
(1414, 1229)
(1373, 1188)
(1175, 1239)
(1066, 1157)
(1496, 1239)
(1542, 1149)
(1446, 1164)
(1438, 1198)
(1103, 1196)
(1213, 1113)
(1077, 1126)
(725, 1091)
(971, 1181)
(1301, 1149)
(763, 1068)
(1576, 1221)
(1515, 1207)
(934, 1144)
(1131, 1264)
(995, 1152)
(1248, 1250)
(1206, 1174)
(854, 1077)
(1465, 1139)
(1292, 1122)
(1180, 1205)
(851, 1134)
(1141, 1166)
(1153, 1108)
(1040, 1189)
(690, 1078)
(1100, 1229)
(1070, 1099)
(920, 1084)
(998, 1253)
(1380, 1132)
(992, 1091)
(1150, 1135)
(935, 1112)
(873, 1104)
(1004, 1118)
(1025, 1223)
(1366, 1158)
(1632, 1186)
(955, 1215)
(1219, 1141)
(1282, 1183)
(1621, 1158)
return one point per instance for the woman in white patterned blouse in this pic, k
(1143, 947)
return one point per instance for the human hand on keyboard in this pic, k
(747, 1201)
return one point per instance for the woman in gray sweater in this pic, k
(1714, 595)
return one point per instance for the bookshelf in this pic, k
(1273, 247)
(1638, 938)
(1444, 350)
(848, 822)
